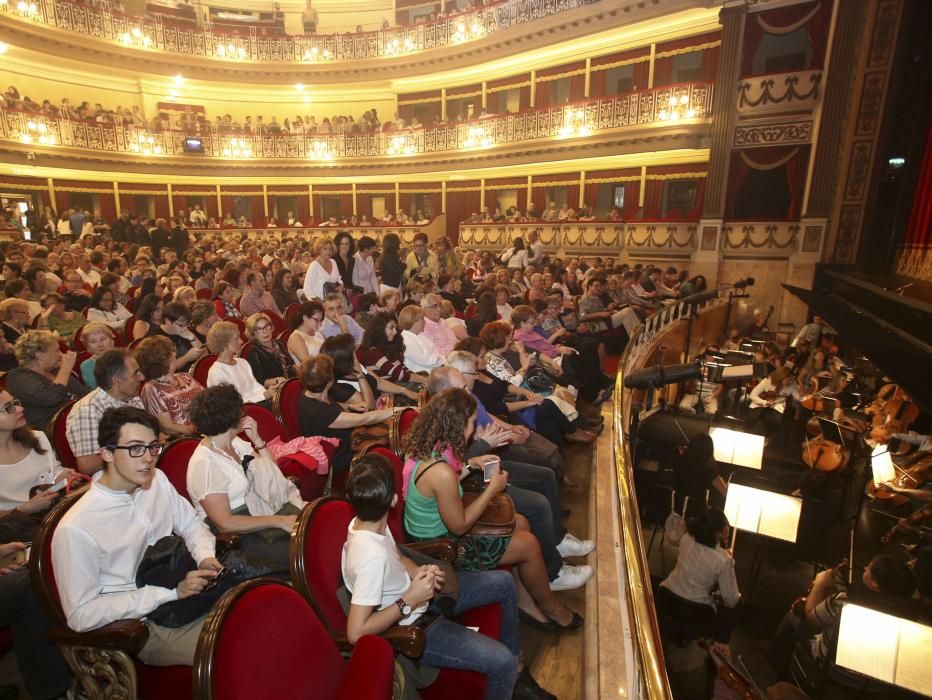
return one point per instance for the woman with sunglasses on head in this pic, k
(236, 486)
(267, 355)
(27, 461)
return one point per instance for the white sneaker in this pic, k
(571, 577)
(572, 546)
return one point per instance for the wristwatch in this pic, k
(403, 606)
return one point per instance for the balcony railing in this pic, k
(576, 119)
(160, 33)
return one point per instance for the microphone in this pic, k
(661, 375)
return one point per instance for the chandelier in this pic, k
(400, 145)
(574, 123)
(396, 46)
(37, 132)
(145, 144)
(237, 148)
(136, 37)
(677, 109)
(477, 137)
(230, 50)
(320, 151)
(26, 8)
(315, 54)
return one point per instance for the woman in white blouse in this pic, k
(322, 271)
(104, 309)
(305, 339)
(223, 340)
(516, 256)
(236, 486)
(704, 566)
(420, 352)
(26, 461)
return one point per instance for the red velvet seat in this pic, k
(263, 640)
(201, 367)
(174, 462)
(285, 404)
(112, 646)
(57, 436)
(204, 293)
(278, 323)
(316, 551)
(310, 483)
(77, 343)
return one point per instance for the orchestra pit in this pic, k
(465, 349)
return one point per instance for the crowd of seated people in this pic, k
(551, 214)
(115, 331)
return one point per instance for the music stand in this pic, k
(834, 432)
(762, 512)
(891, 649)
(738, 448)
(882, 465)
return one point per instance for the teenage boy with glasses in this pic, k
(101, 540)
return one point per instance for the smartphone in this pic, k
(57, 486)
(214, 582)
(491, 466)
(20, 556)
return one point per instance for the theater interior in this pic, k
(720, 210)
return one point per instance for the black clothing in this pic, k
(315, 417)
(266, 364)
(392, 271)
(346, 271)
(161, 238)
(180, 240)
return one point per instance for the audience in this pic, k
(167, 392)
(224, 341)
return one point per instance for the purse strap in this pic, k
(436, 461)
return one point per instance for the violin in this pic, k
(818, 403)
(740, 683)
(918, 471)
(910, 523)
(798, 606)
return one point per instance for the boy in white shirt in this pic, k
(388, 588)
(103, 537)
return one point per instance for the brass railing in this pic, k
(576, 119)
(253, 43)
(650, 676)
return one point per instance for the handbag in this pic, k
(675, 525)
(498, 518)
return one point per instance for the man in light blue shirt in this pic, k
(336, 322)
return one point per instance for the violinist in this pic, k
(769, 399)
(886, 578)
(923, 443)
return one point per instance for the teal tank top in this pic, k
(422, 517)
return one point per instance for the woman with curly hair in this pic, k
(167, 393)
(382, 352)
(435, 448)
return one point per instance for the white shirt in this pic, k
(92, 278)
(373, 571)
(364, 274)
(316, 277)
(698, 569)
(420, 353)
(518, 259)
(504, 310)
(64, 227)
(114, 318)
(779, 405)
(210, 472)
(313, 343)
(536, 253)
(17, 479)
(97, 547)
(239, 375)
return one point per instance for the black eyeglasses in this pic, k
(155, 449)
(11, 406)
(317, 318)
(263, 327)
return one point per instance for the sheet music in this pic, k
(867, 642)
(780, 519)
(763, 512)
(913, 667)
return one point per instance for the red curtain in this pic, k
(525, 102)
(710, 63)
(597, 83)
(578, 87)
(522, 199)
(542, 94)
(62, 200)
(696, 211)
(227, 201)
(460, 205)
(572, 196)
(161, 206)
(304, 209)
(919, 231)
(737, 171)
(663, 71)
(796, 169)
(179, 202)
(108, 207)
(641, 75)
(632, 195)
(591, 194)
(653, 199)
(539, 199)
(817, 27)
(364, 204)
(491, 200)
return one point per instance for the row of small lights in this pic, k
(677, 109)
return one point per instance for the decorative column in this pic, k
(533, 89)
(443, 104)
(707, 258)
(265, 202)
(219, 205)
(116, 197)
(650, 67)
(443, 196)
(827, 135)
(171, 204)
(582, 189)
(52, 196)
(397, 196)
(588, 77)
(354, 199)
(310, 203)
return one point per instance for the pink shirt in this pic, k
(440, 334)
(535, 341)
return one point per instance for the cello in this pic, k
(738, 681)
(821, 453)
(918, 471)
